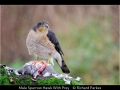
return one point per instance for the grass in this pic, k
(26, 80)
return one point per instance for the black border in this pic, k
(62, 87)
(59, 2)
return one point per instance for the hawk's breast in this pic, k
(39, 45)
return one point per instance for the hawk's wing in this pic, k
(53, 39)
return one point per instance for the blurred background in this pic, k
(88, 35)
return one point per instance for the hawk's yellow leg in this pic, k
(37, 58)
(48, 59)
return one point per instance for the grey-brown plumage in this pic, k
(43, 43)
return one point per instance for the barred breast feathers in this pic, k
(39, 39)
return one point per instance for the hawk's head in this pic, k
(41, 27)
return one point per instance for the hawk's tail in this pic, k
(64, 67)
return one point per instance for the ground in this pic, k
(13, 79)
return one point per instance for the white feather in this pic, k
(78, 79)
(51, 61)
(58, 58)
(47, 74)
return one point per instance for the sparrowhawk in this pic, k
(42, 42)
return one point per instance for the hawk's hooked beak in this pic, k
(45, 25)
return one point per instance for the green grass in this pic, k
(26, 80)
